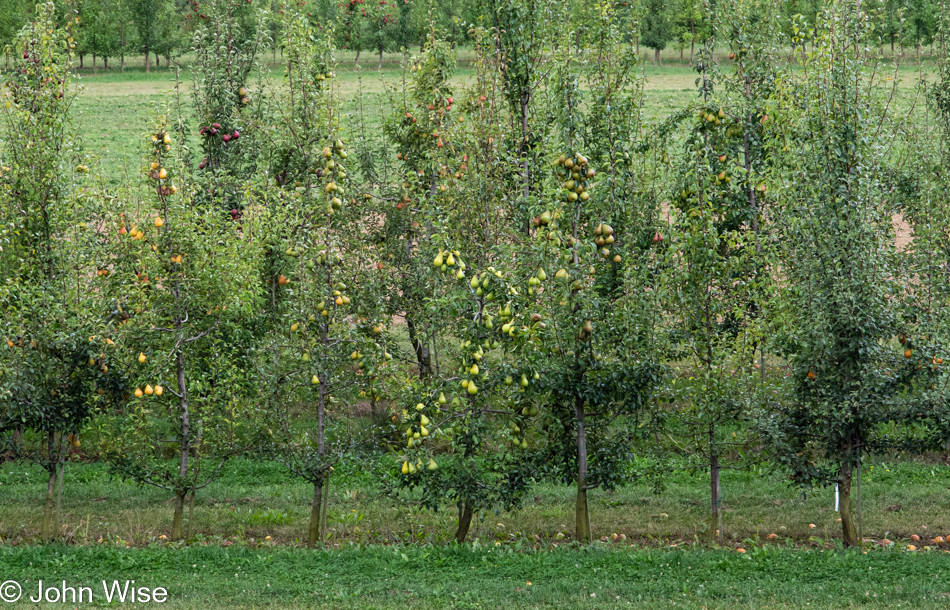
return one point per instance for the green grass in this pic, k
(116, 109)
(494, 577)
(254, 500)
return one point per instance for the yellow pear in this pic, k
(158, 390)
(149, 390)
(142, 358)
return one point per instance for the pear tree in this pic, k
(595, 375)
(49, 369)
(855, 360)
(328, 343)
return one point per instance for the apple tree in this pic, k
(182, 284)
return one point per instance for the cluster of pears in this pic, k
(446, 260)
(535, 280)
(410, 468)
(134, 232)
(523, 384)
(417, 421)
(470, 369)
(576, 175)
(603, 239)
(505, 316)
(334, 171)
(482, 284)
(161, 141)
(546, 223)
(517, 442)
(149, 391)
(160, 175)
(323, 257)
(713, 118)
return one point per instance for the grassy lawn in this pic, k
(493, 577)
(117, 109)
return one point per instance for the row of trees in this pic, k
(161, 29)
(523, 278)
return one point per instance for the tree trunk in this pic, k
(61, 468)
(179, 513)
(326, 501)
(316, 513)
(380, 59)
(356, 62)
(191, 514)
(184, 441)
(46, 529)
(849, 530)
(657, 57)
(715, 513)
(581, 513)
(105, 62)
(423, 357)
(94, 71)
(681, 53)
(525, 100)
(465, 520)
(146, 61)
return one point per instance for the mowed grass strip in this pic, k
(491, 577)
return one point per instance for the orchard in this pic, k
(502, 302)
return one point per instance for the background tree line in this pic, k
(153, 31)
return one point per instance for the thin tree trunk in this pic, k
(146, 61)
(581, 512)
(849, 532)
(465, 520)
(657, 57)
(316, 512)
(525, 100)
(423, 357)
(380, 60)
(61, 469)
(715, 503)
(46, 528)
(179, 514)
(191, 513)
(94, 70)
(356, 63)
(326, 501)
(184, 441)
